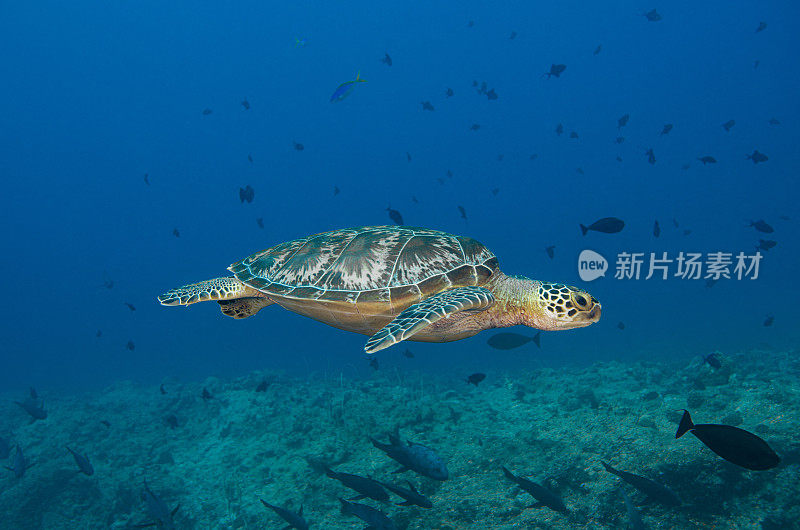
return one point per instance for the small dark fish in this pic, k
(106, 423)
(495, 191)
(414, 457)
(335, 191)
(131, 346)
(773, 121)
(471, 24)
(728, 125)
(573, 135)
(206, 112)
(34, 409)
(411, 496)
(375, 519)
(755, 64)
(784, 218)
(656, 229)
(162, 389)
(598, 49)
(172, 421)
(491, 95)
(463, 212)
(414, 199)
(686, 232)
(245, 104)
(675, 223)
(707, 160)
(476, 378)
(556, 70)
(634, 517)
(20, 464)
(606, 225)
(83, 463)
(623, 121)
(509, 340)
(534, 156)
(298, 146)
(474, 127)
(651, 156)
(513, 35)
(761, 27)
(652, 15)
(108, 283)
(666, 130)
(426, 105)
(32, 393)
(365, 487)
(260, 222)
(714, 360)
(559, 129)
(762, 226)
(130, 306)
(735, 445)
(408, 353)
(621, 325)
(655, 492)
(619, 158)
(386, 59)
(206, 395)
(295, 520)
(710, 283)
(449, 93)
(766, 244)
(373, 363)
(449, 174)
(246, 194)
(395, 216)
(146, 179)
(768, 321)
(250, 158)
(543, 496)
(684, 167)
(620, 139)
(262, 386)
(757, 157)
(408, 156)
(550, 251)
(176, 232)
(158, 511)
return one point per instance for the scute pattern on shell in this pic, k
(361, 259)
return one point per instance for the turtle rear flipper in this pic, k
(421, 315)
(243, 307)
(217, 289)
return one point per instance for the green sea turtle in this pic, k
(392, 283)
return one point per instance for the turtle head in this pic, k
(558, 306)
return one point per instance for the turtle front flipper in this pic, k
(216, 290)
(421, 315)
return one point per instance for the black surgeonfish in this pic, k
(508, 341)
(655, 492)
(735, 445)
(607, 225)
(543, 496)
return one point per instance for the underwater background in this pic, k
(127, 131)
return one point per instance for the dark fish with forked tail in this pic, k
(295, 520)
(83, 463)
(543, 496)
(375, 519)
(655, 492)
(508, 340)
(735, 445)
(606, 225)
(365, 487)
(413, 456)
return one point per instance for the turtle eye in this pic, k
(580, 301)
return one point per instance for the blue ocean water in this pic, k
(119, 184)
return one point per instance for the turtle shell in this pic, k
(358, 278)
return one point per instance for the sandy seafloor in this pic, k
(552, 425)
